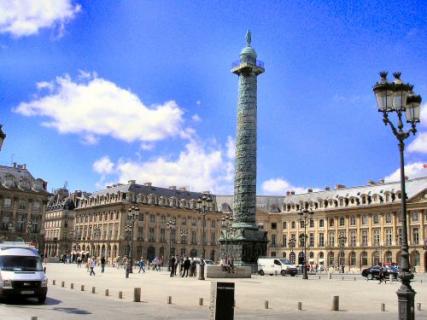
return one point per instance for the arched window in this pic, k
(330, 259)
(376, 258)
(363, 259)
(352, 259)
(388, 257)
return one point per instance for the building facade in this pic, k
(59, 222)
(170, 222)
(23, 202)
(352, 227)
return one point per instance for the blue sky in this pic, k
(97, 92)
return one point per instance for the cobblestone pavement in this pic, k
(358, 298)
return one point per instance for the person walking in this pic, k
(141, 265)
(193, 268)
(381, 275)
(102, 264)
(187, 264)
(172, 266)
(92, 264)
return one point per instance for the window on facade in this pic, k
(364, 237)
(213, 238)
(321, 223)
(331, 222)
(301, 238)
(311, 242)
(293, 225)
(353, 238)
(375, 219)
(321, 240)
(213, 224)
(22, 205)
(301, 224)
(273, 225)
(388, 218)
(376, 235)
(285, 241)
(152, 218)
(285, 225)
(273, 253)
(364, 219)
(364, 259)
(273, 240)
(193, 237)
(414, 216)
(415, 236)
(162, 235)
(342, 221)
(151, 235)
(388, 236)
(331, 239)
(352, 220)
(7, 202)
(311, 223)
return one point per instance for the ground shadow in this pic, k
(72, 310)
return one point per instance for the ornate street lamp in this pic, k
(203, 202)
(292, 246)
(305, 215)
(398, 98)
(341, 241)
(133, 215)
(171, 225)
(2, 136)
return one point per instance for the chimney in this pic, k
(14, 164)
(310, 190)
(147, 184)
(131, 181)
(340, 186)
(327, 188)
(292, 192)
(172, 187)
(371, 182)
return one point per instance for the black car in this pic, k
(374, 272)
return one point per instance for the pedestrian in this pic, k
(193, 268)
(187, 264)
(176, 265)
(141, 265)
(172, 266)
(92, 264)
(102, 264)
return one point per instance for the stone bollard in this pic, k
(82, 287)
(266, 304)
(107, 292)
(63, 284)
(299, 306)
(34, 318)
(120, 294)
(418, 306)
(200, 301)
(329, 275)
(319, 277)
(382, 307)
(342, 278)
(169, 300)
(93, 290)
(136, 294)
(72, 286)
(354, 279)
(53, 282)
(336, 303)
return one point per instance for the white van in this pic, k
(272, 265)
(21, 272)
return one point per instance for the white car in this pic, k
(273, 266)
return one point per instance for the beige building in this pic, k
(355, 227)
(59, 222)
(170, 222)
(22, 205)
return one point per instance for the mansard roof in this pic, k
(19, 178)
(413, 188)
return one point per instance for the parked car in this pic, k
(271, 265)
(374, 272)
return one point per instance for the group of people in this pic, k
(227, 264)
(186, 267)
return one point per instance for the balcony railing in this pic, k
(237, 63)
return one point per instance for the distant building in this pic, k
(23, 202)
(100, 220)
(59, 222)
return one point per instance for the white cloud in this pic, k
(279, 186)
(196, 118)
(413, 170)
(231, 148)
(103, 165)
(26, 17)
(147, 146)
(94, 107)
(420, 142)
(202, 168)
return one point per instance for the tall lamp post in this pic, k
(341, 241)
(305, 215)
(203, 202)
(171, 225)
(133, 215)
(397, 98)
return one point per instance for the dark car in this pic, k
(374, 272)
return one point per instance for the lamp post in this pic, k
(203, 202)
(305, 214)
(341, 241)
(133, 215)
(171, 225)
(292, 246)
(397, 98)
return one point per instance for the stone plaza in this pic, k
(358, 297)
